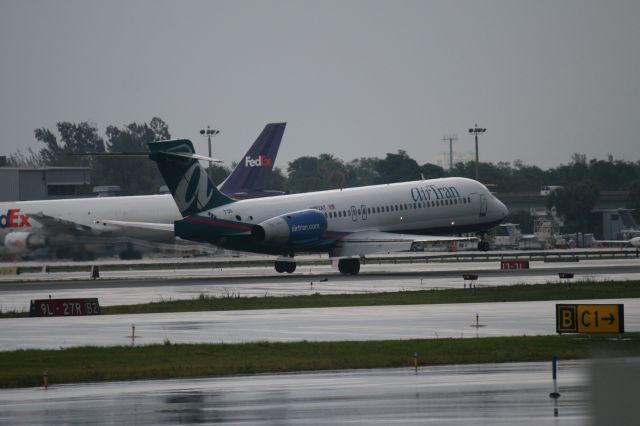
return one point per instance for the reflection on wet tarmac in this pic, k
(496, 394)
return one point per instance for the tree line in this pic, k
(581, 180)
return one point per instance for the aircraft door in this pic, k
(354, 213)
(364, 212)
(483, 205)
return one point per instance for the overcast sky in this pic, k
(547, 78)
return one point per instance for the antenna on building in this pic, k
(451, 139)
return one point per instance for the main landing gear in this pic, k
(483, 245)
(130, 253)
(285, 266)
(349, 266)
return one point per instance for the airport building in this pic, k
(614, 224)
(43, 183)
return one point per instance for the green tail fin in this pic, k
(192, 189)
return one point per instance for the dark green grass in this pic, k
(512, 293)
(24, 367)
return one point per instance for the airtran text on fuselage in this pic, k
(433, 192)
(308, 227)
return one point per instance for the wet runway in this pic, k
(282, 325)
(132, 287)
(491, 394)
(506, 394)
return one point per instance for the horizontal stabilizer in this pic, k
(146, 154)
(188, 155)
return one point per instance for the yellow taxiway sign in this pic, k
(600, 318)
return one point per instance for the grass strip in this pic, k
(24, 368)
(510, 293)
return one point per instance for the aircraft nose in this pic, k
(504, 211)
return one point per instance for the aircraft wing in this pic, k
(151, 226)
(105, 228)
(59, 226)
(368, 242)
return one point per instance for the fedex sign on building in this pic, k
(261, 161)
(13, 219)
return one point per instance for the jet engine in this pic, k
(299, 228)
(19, 242)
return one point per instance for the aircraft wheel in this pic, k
(483, 246)
(343, 266)
(290, 267)
(280, 267)
(355, 267)
(349, 266)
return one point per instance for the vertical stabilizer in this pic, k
(191, 187)
(254, 170)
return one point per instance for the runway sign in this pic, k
(9, 270)
(589, 318)
(514, 264)
(64, 307)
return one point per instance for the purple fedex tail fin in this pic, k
(252, 173)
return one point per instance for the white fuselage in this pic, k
(445, 204)
(86, 211)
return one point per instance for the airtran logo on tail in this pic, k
(192, 191)
(261, 161)
(13, 219)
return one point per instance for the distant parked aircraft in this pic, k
(72, 225)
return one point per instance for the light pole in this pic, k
(477, 131)
(451, 139)
(209, 133)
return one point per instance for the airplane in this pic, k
(633, 242)
(73, 224)
(345, 223)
